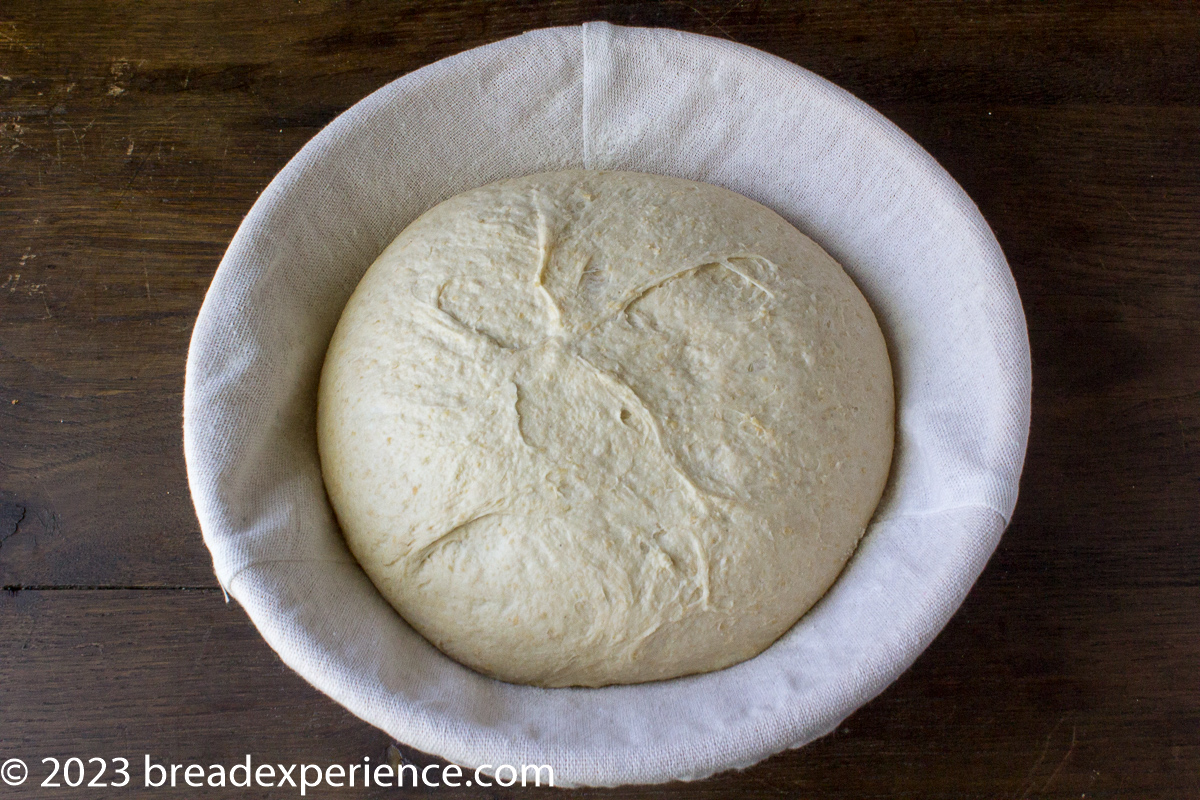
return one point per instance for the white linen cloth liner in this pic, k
(649, 100)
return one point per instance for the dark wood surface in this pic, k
(135, 136)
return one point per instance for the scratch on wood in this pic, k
(1029, 782)
(11, 515)
(1070, 750)
(14, 43)
(715, 23)
(1126, 210)
(730, 10)
(50, 521)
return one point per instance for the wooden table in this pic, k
(134, 138)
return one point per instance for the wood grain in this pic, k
(135, 136)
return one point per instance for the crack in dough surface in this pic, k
(585, 428)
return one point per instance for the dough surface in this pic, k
(584, 428)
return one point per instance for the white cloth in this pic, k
(648, 100)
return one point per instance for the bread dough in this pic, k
(584, 428)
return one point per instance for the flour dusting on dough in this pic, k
(585, 428)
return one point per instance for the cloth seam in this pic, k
(585, 102)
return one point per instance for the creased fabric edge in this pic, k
(734, 751)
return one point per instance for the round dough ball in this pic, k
(584, 428)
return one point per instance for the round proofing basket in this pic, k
(603, 97)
